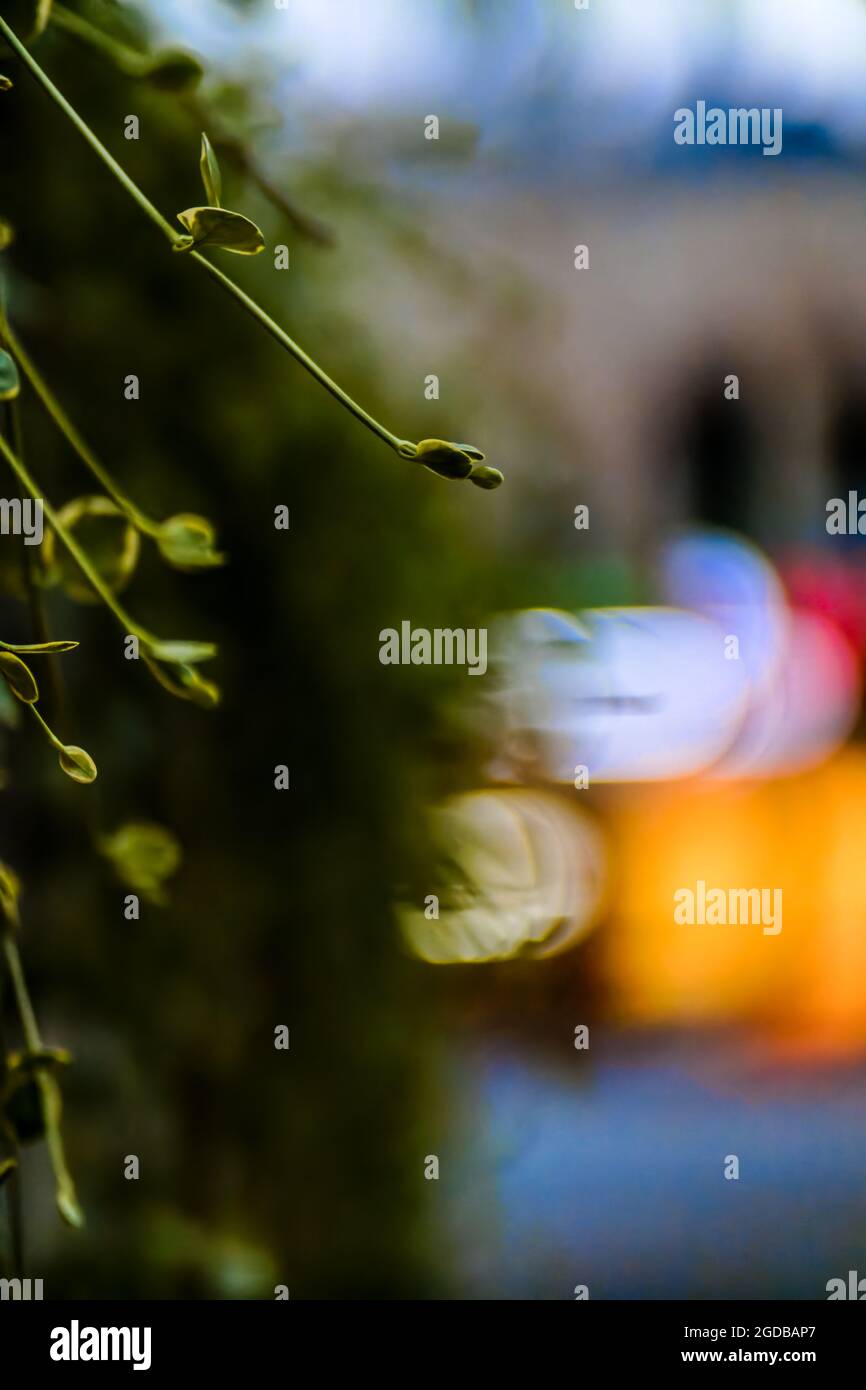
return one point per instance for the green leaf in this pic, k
(7, 234)
(183, 682)
(218, 227)
(7, 1168)
(204, 693)
(471, 452)
(77, 764)
(488, 478)
(43, 15)
(6, 83)
(9, 383)
(39, 648)
(454, 461)
(210, 172)
(28, 18)
(144, 855)
(26, 1064)
(10, 891)
(444, 459)
(112, 545)
(67, 1205)
(187, 542)
(19, 678)
(64, 1188)
(182, 653)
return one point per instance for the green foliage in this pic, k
(74, 761)
(42, 16)
(454, 461)
(28, 17)
(210, 172)
(9, 382)
(182, 653)
(169, 70)
(230, 231)
(39, 648)
(19, 678)
(187, 542)
(110, 542)
(485, 477)
(144, 857)
(183, 681)
(42, 1059)
(10, 892)
(446, 460)
(77, 764)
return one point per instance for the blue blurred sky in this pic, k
(539, 77)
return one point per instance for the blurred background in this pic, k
(615, 752)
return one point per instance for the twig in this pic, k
(401, 446)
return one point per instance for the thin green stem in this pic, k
(70, 433)
(49, 1091)
(401, 446)
(34, 597)
(79, 556)
(160, 650)
(42, 633)
(137, 64)
(12, 1186)
(29, 1026)
(49, 732)
(56, 95)
(52, 1108)
(257, 312)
